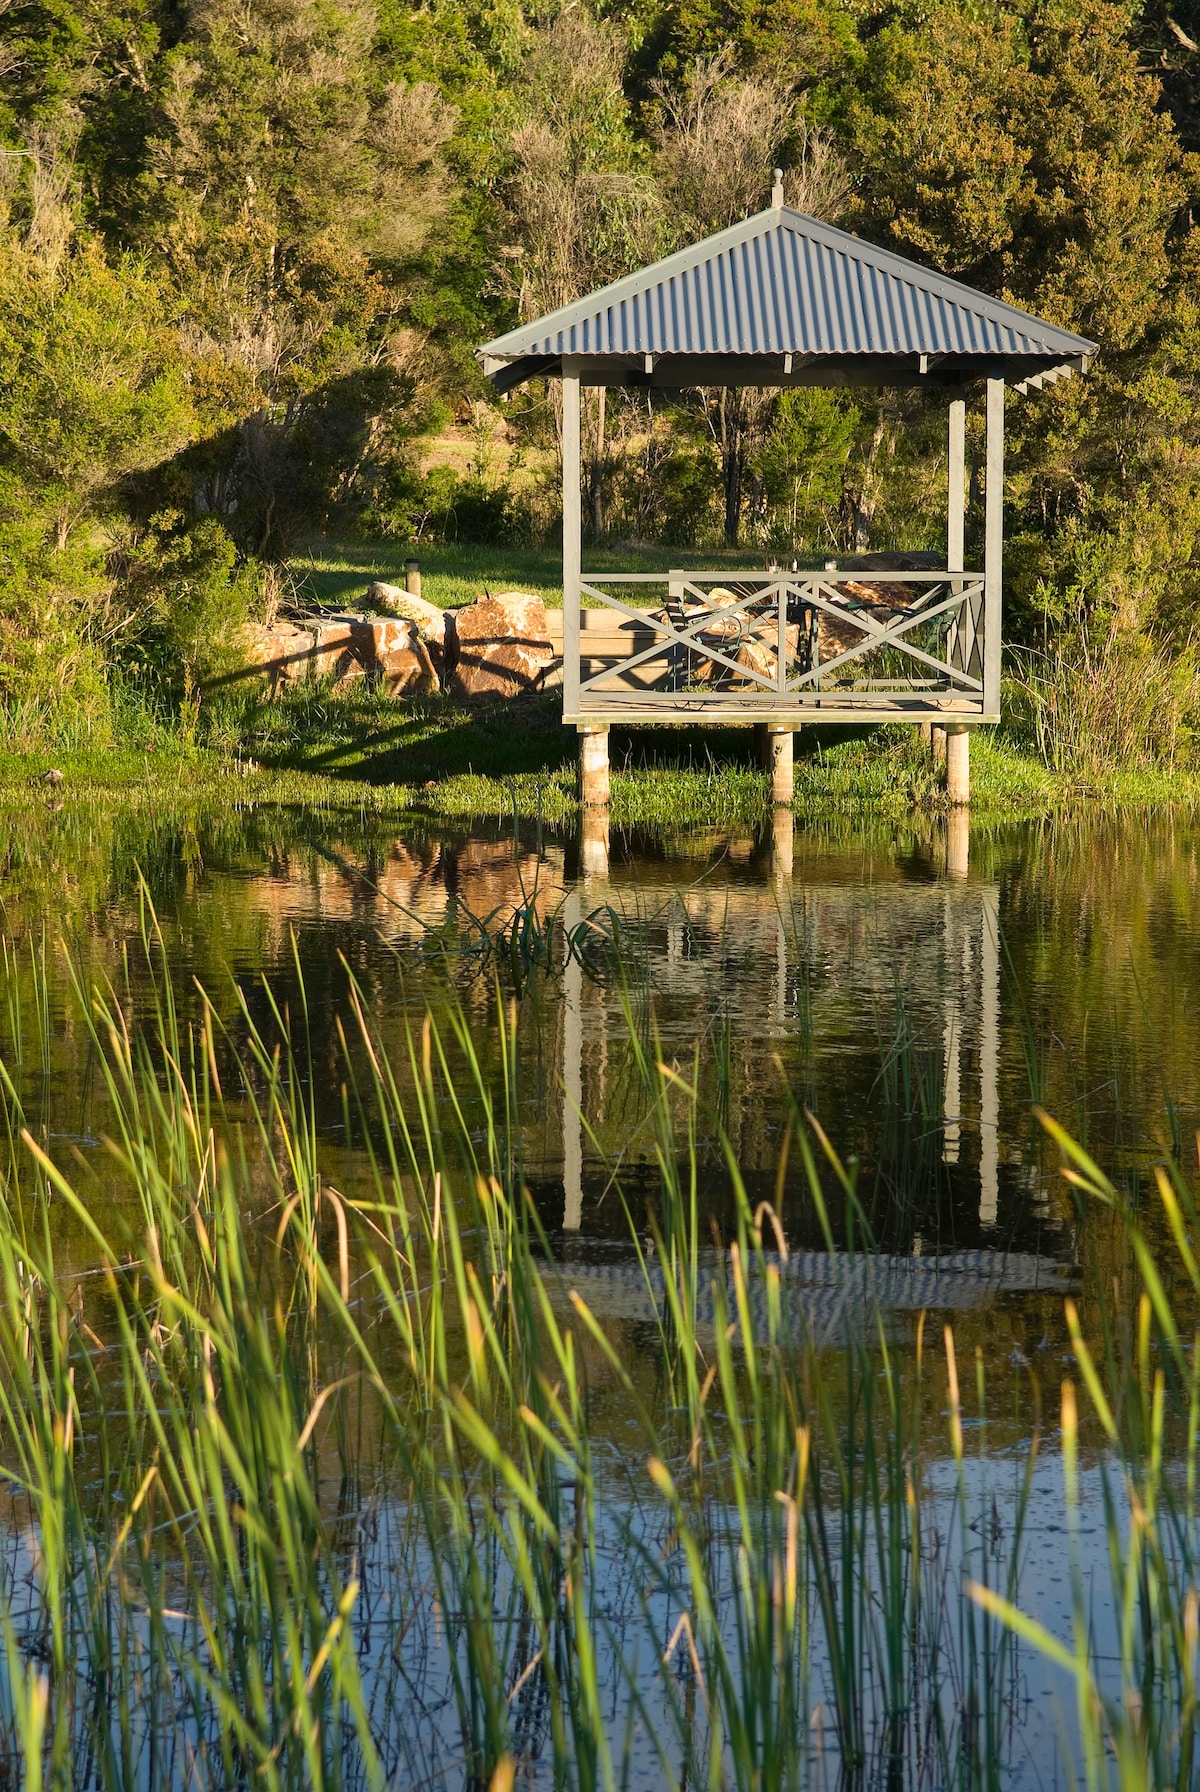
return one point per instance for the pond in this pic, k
(854, 1026)
(918, 1010)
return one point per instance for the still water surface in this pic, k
(917, 994)
(919, 1011)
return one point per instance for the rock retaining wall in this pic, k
(496, 647)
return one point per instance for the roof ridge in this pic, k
(1040, 335)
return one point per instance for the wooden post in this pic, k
(960, 641)
(776, 755)
(958, 764)
(593, 765)
(993, 550)
(412, 577)
(956, 478)
(572, 528)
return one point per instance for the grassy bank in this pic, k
(438, 758)
(435, 757)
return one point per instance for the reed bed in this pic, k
(311, 1487)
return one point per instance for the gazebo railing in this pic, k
(756, 642)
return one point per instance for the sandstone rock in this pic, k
(282, 652)
(345, 648)
(435, 625)
(760, 652)
(391, 649)
(504, 646)
(333, 654)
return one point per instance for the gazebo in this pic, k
(778, 300)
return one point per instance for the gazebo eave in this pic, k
(683, 372)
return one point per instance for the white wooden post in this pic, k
(993, 550)
(572, 525)
(961, 635)
(956, 476)
(958, 763)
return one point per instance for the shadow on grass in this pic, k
(373, 739)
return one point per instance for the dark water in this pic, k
(917, 994)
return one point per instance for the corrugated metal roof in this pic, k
(782, 284)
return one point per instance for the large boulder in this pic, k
(759, 653)
(504, 646)
(281, 652)
(879, 601)
(334, 653)
(390, 649)
(434, 625)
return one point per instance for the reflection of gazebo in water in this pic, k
(797, 958)
(783, 300)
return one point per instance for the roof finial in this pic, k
(777, 190)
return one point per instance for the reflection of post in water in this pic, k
(989, 1058)
(593, 842)
(958, 842)
(783, 826)
(572, 1075)
(971, 988)
(593, 858)
(955, 979)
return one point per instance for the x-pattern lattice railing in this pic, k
(781, 613)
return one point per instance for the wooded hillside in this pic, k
(248, 246)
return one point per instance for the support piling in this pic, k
(593, 767)
(958, 764)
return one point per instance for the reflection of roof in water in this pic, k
(824, 1298)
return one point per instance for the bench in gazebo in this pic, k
(782, 299)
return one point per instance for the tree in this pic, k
(716, 140)
(582, 202)
(800, 465)
(1024, 149)
(287, 193)
(95, 387)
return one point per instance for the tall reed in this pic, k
(311, 1485)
